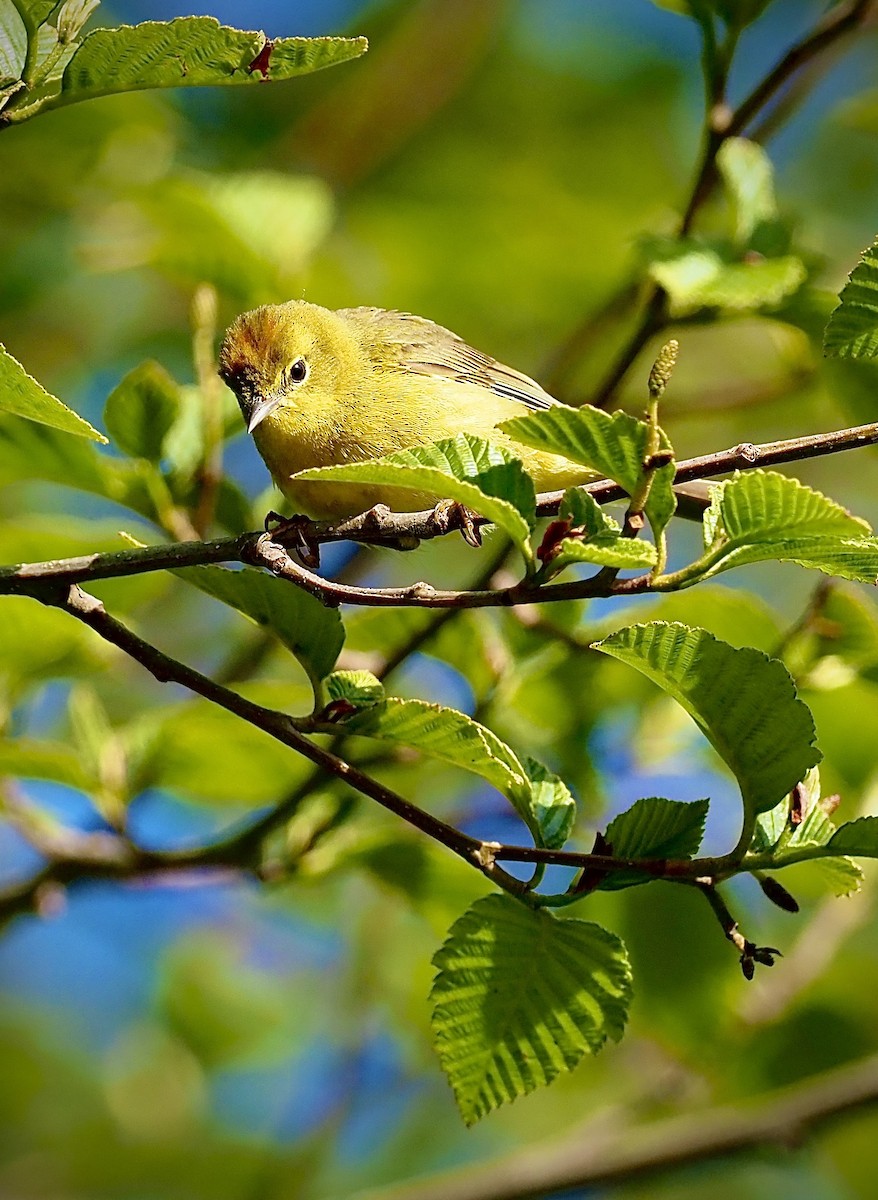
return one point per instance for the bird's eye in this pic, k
(298, 372)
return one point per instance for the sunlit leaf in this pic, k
(613, 444)
(521, 996)
(486, 478)
(761, 515)
(743, 701)
(749, 180)
(654, 828)
(539, 797)
(360, 689)
(22, 395)
(777, 834)
(700, 278)
(191, 52)
(852, 331)
(38, 643)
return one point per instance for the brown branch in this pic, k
(34, 579)
(79, 856)
(587, 1159)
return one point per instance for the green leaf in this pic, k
(595, 538)
(38, 643)
(775, 833)
(654, 828)
(760, 515)
(191, 52)
(521, 996)
(852, 331)
(27, 758)
(312, 633)
(38, 11)
(614, 444)
(539, 797)
(743, 701)
(22, 395)
(358, 688)
(249, 233)
(749, 181)
(627, 554)
(13, 43)
(858, 837)
(141, 410)
(32, 451)
(700, 278)
(486, 478)
(586, 516)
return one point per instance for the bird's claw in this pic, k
(451, 514)
(294, 533)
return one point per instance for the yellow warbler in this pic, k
(318, 388)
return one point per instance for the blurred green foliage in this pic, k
(500, 167)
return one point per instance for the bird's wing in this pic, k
(425, 348)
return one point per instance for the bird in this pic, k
(320, 387)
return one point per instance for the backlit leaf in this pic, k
(521, 996)
(743, 701)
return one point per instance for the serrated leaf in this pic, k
(654, 828)
(761, 515)
(313, 633)
(748, 176)
(859, 838)
(141, 410)
(775, 834)
(191, 52)
(626, 554)
(521, 996)
(585, 515)
(763, 504)
(852, 331)
(358, 688)
(21, 395)
(539, 797)
(613, 444)
(483, 477)
(743, 701)
(700, 278)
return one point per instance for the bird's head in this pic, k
(294, 355)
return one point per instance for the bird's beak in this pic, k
(261, 411)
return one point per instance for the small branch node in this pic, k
(485, 855)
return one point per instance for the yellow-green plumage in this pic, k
(375, 381)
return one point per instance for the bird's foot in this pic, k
(295, 533)
(451, 514)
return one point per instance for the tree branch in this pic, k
(36, 579)
(585, 1160)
